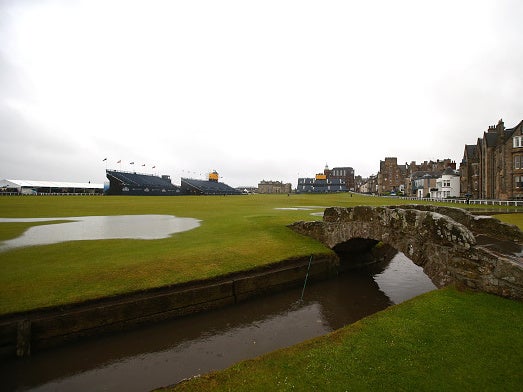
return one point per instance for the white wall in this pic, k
(448, 186)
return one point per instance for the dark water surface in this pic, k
(163, 354)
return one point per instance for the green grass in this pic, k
(515, 219)
(445, 340)
(236, 233)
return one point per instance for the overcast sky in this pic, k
(256, 90)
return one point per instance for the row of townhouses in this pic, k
(490, 169)
(437, 179)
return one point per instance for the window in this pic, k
(518, 181)
(517, 141)
(518, 161)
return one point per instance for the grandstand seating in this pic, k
(139, 179)
(202, 187)
(127, 183)
(139, 184)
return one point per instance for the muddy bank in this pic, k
(31, 331)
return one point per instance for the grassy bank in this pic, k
(236, 233)
(445, 340)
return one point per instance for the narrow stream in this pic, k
(164, 354)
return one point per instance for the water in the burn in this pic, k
(163, 354)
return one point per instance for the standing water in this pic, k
(145, 227)
(165, 353)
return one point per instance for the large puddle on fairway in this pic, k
(144, 227)
(167, 352)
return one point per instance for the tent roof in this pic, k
(48, 184)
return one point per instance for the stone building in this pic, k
(493, 168)
(469, 171)
(391, 177)
(420, 183)
(274, 187)
(421, 178)
(439, 165)
(369, 185)
(412, 179)
(345, 174)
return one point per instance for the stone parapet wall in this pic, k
(477, 224)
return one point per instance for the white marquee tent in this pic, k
(28, 187)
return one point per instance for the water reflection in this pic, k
(401, 279)
(147, 227)
(166, 353)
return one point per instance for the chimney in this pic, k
(501, 130)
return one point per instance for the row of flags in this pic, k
(183, 172)
(130, 163)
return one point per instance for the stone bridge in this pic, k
(452, 245)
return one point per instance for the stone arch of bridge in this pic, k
(357, 252)
(443, 241)
(424, 237)
(428, 239)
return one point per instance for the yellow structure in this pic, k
(321, 176)
(213, 176)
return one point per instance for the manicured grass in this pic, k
(445, 340)
(515, 219)
(236, 233)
